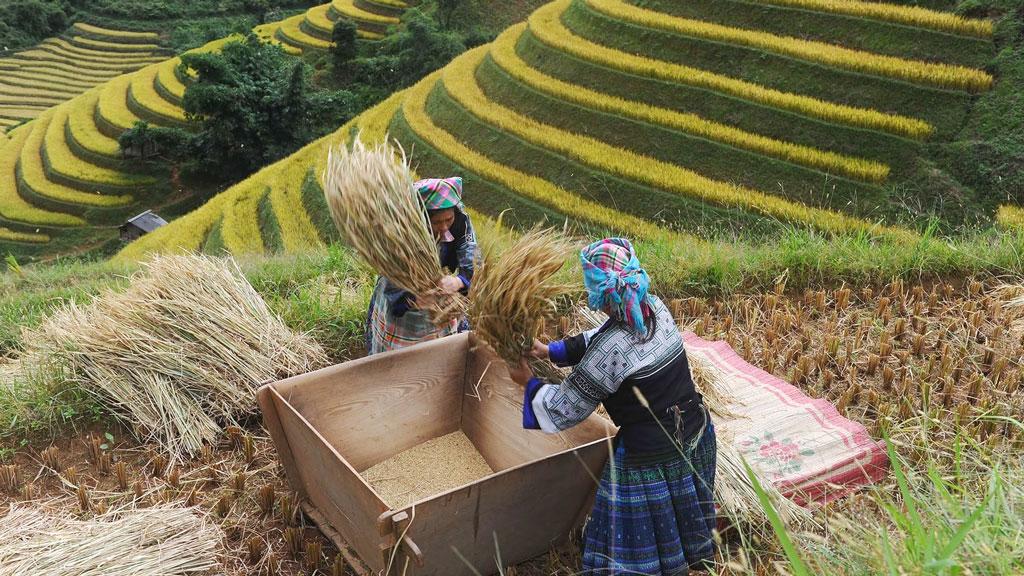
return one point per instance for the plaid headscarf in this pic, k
(440, 193)
(613, 277)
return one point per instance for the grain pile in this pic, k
(375, 208)
(177, 355)
(430, 468)
(159, 541)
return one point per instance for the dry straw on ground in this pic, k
(373, 204)
(177, 355)
(514, 292)
(158, 541)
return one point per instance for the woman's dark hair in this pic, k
(651, 322)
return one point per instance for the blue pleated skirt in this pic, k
(654, 518)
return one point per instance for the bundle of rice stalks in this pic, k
(374, 206)
(177, 355)
(515, 292)
(157, 541)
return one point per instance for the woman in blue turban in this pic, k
(654, 512)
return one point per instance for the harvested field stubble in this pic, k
(205, 484)
(887, 355)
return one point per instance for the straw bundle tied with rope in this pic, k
(159, 541)
(514, 292)
(375, 208)
(178, 355)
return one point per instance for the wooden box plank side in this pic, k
(373, 408)
(494, 421)
(265, 396)
(337, 491)
(530, 508)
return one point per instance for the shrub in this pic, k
(344, 37)
(417, 49)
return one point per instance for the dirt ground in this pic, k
(880, 355)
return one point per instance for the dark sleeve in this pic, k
(399, 300)
(568, 352)
(466, 252)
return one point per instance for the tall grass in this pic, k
(954, 505)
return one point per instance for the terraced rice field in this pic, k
(62, 176)
(695, 121)
(60, 68)
(312, 30)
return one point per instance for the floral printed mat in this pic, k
(811, 452)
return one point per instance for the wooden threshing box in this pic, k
(331, 424)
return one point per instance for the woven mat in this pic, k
(811, 452)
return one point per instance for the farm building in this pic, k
(140, 225)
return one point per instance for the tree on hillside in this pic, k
(446, 10)
(344, 36)
(416, 49)
(251, 105)
(25, 22)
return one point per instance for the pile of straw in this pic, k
(373, 204)
(176, 356)
(514, 292)
(158, 541)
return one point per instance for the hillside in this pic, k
(60, 68)
(679, 123)
(64, 185)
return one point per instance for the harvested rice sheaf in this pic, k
(515, 291)
(374, 206)
(177, 355)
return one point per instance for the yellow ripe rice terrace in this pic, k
(461, 84)
(546, 26)
(940, 75)
(909, 15)
(504, 54)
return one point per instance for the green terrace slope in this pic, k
(64, 185)
(312, 30)
(695, 122)
(57, 69)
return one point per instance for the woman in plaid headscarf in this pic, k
(394, 321)
(654, 512)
